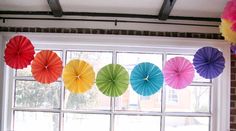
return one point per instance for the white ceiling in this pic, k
(194, 8)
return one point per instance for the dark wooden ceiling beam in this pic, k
(166, 8)
(55, 7)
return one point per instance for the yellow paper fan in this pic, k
(227, 32)
(78, 76)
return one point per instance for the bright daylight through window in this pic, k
(51, 107)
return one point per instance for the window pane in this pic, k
(189, 99)
(24, 72)
(130, 100)
(86, 122)
(27, 71)
(93, 99)
(36, 121)
(129, 60)
(197, 77)
(35, 95)
(96, 59)
(137, 123)
(187, 124)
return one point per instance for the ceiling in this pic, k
(192, 8)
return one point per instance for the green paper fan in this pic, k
(112, 80)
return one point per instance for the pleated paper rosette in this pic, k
(228, 22)
(227, 32)
(78, 76)
(19, 52)
(46, 67)
(233, 50)
(209, 62)
(112, 80)
(229, 13)
(178, 72)
(146, 79)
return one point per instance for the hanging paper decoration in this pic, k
(112, 80)
(233, 50)
(227, 32)
(228, 24)
(178, 72)
(46, 67)
(229, 13)
(146, 79)
(209, 62)
(19, 52)
(78, 76)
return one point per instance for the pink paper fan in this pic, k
(178, 72)
(229, 13)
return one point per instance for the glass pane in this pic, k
(96, 59)
(189, 99)
(197, 77)
(187, 124)
(93, 99)
(130, 100)
(86, 122)
(27, 71)
(137, 123)
(36, 121)
(32, 94)
(129, 60)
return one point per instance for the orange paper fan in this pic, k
(46, 66)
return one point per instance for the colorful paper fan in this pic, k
(229, 13)
(209, 62)
(46, 66)
(78, 76)
(19, 52)
(227, 32)
(112, 80)
(178, 72)
(233, 50)
(146, 79)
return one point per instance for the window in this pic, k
(172, 96)
(50, 107)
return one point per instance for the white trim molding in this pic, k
(120, 43)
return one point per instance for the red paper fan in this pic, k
(46, 66)
(19, 52)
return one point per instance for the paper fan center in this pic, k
(178, 72)
(146, 78)
(113, 81)
(208, 61)
(18, 53)
(78, 77)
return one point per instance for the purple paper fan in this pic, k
(209, 62)
(233, 49)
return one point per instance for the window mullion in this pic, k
(112, 116)
(163, 98)
(214, 94)
(62, 96)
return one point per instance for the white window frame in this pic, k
(221, 100)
